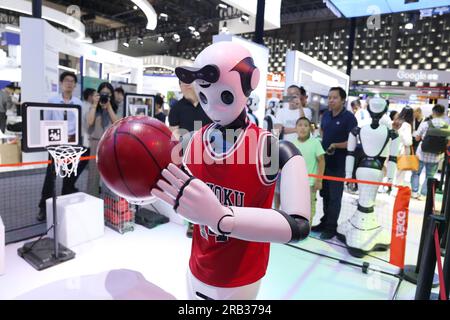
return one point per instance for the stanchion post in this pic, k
(428, 260)
(446, 267)
(431, 184)
(411, 272)
(445, 211)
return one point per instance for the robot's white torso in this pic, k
(373, 141)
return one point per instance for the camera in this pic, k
(104, 98)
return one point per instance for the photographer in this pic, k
(99, 118)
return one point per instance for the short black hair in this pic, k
(120, 90)
(87, 93)
(302, 118)
(341, 91)
(159, 100)
(11, 86)
(300, 89)
(439, 109)
(68, 74)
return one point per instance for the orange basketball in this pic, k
(131, 155)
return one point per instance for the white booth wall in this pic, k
(153, 84)
(41, 45)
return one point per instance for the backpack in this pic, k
(435, 140)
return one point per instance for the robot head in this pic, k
(253, 102)
(224, 76)
(273, 104)
(377, 107)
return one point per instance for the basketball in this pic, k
(131, 155)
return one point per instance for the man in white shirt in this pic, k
(286, 118)
(68, 82)
(428, 160)
(362, 115)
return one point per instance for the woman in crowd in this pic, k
(99, 118)
(403, 123)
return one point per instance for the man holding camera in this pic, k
(68, 82)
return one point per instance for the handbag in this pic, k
(408, 162)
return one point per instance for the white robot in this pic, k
(252, 106)
(363, 233)
(273, 104)
(229, 200)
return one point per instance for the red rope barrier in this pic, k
(24, 164)
(437, 245)
(385, 184)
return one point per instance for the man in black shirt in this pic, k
(185, 117)
(186, 112)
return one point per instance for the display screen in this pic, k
(369, 7)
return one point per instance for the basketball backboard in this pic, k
(139, 104)
(47, 124)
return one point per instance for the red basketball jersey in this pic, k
(235, 178)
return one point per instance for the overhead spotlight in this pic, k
(191, 28)
(196, 35)
(126, 43)
(245, 18)
(163, 16)
(222, 6)
(135, 7)
(176, 37)
(160, 39)
(409, 26)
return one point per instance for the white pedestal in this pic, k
(80, 218)
(2, 247)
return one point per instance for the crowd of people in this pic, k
(325, 151)
(323, 144)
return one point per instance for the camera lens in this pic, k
(104, 98)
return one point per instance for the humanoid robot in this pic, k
(252, 106)
(273, 104)
(227, 198)
(363, 233)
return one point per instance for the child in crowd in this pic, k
(313, 153)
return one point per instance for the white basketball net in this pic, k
(66, 159)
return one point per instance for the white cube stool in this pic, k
(2, 247)
(80, 218)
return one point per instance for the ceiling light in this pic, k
(222, 6)
(191, 28)
(126, 43)
(163, 16)
(176, 37)
(409, 26)
(135, 7)
(12, 28)
(160, 39)
(245, 19)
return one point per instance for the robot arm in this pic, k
(392, 161)
(195, 201)
(291, 223)
(351, 147)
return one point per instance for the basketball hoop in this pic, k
(66, 159)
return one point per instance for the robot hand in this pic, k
(191, 198)
(351, 187)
